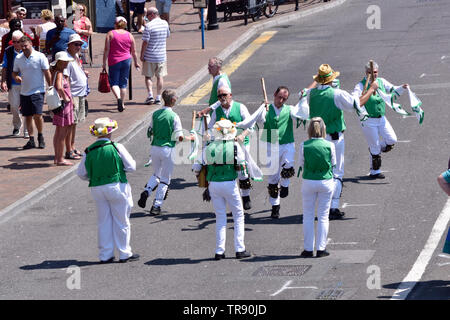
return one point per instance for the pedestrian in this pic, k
(317, 157)
(42, 29)
(138, 7)
(78, 78)
(4, 27)
(14, 25)
(10, 85)
(165, 130)
(220, 79)
(105, 164)
(153, 54)
(82, 24)
(57, 38)
(379, 134)
(227, 108)
(328, 102)
(163, 7)
(278, 121)
(63, 118)
(444, 181)
(223, 158)
(32, 66)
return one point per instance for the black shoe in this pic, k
(110, 260)
(247, 204)
(143, 200)
(306, 254)
(41, 142)
(335, 214)
(322, 253)
(16, 132)
(30, 144)
(219, 256)
(120, 105)
(155, 211)
(275, 212)
(377, 176)
(284, 192)
(243, 254)
(230, 214)
(134, 257)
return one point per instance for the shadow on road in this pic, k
(58, 264)
(425, 290)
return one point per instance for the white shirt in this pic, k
(342, 99)
(155, 34)
(31, 70)
(359, 88)
(177, 127)
(222, 82)
(78, 79)
(129, 164)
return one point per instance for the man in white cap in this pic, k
(223, 158)
(105, 164)
(378, 131)
(328, 102)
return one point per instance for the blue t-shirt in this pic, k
(5, 65)
(61, 44)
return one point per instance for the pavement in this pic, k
(28, 175)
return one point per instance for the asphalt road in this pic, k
(387, 221)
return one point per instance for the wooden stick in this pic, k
(371, 72)
(194, 115)
(265, 93)
(367, 84)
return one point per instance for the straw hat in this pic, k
(61, 56)
(326, 74)
(225, 129)
(103, 127)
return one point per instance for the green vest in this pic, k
(163, 128)
(282, 123)
(321, 104)
(220, 160)
(317, 155)
(375, 106)
(104, 165)
(234, 116)
(213, 97)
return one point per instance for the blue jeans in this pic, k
(119, 72)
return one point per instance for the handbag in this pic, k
(52, 96)
(103, 82)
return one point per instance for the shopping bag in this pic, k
(103, 82)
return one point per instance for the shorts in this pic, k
(157, 69)
(32, 104)
(79, 109)
(137, 7)
(163, 6)
(119, 73)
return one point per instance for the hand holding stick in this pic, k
(265, 94)
(371, 72)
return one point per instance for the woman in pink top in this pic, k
(82, 25)
(119, 48)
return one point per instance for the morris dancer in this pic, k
(378, 131)
(223, 158)
(219, 79)
(279, 135)
(166, 130)
(327, 102)
(105, 164)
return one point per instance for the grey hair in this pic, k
(17, 34)
(216, 61)
(367, 66)
(317, 128)
(152, 10)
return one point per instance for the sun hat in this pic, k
(120, 18)
(225, 129)
(325, 74)
(75, 37)
(63, 56)
(21, 9)
(103, 127)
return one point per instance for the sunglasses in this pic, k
(222, 95)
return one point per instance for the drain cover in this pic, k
(330, 294)
(296, 270)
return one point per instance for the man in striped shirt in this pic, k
(153, 53)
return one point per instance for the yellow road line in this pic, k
(233, 65)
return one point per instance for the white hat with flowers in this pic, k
(103, 127)
(225, 129)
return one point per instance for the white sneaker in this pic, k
(149, 100)
(26, 135)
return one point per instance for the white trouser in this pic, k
(338, 170)
(378, 133)
(14, 101)
(114, 203)
(244, 175)
(286, 159)
(163, 164)
(223, 194)
(312, 191)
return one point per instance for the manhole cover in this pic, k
(330, 294)
(297, 270)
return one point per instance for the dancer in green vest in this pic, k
(223, 158)
(317, 157)
(165, 130)
(219, 79)
(278, 120)
(378, 131)
(234, 111)
(328, 103)
(105, 164)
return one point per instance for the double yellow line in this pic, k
(233, 65)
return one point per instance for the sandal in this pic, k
(78, 152)
(64, 163)
(72, 155)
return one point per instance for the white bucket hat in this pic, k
(63, 56)
(75, 37)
